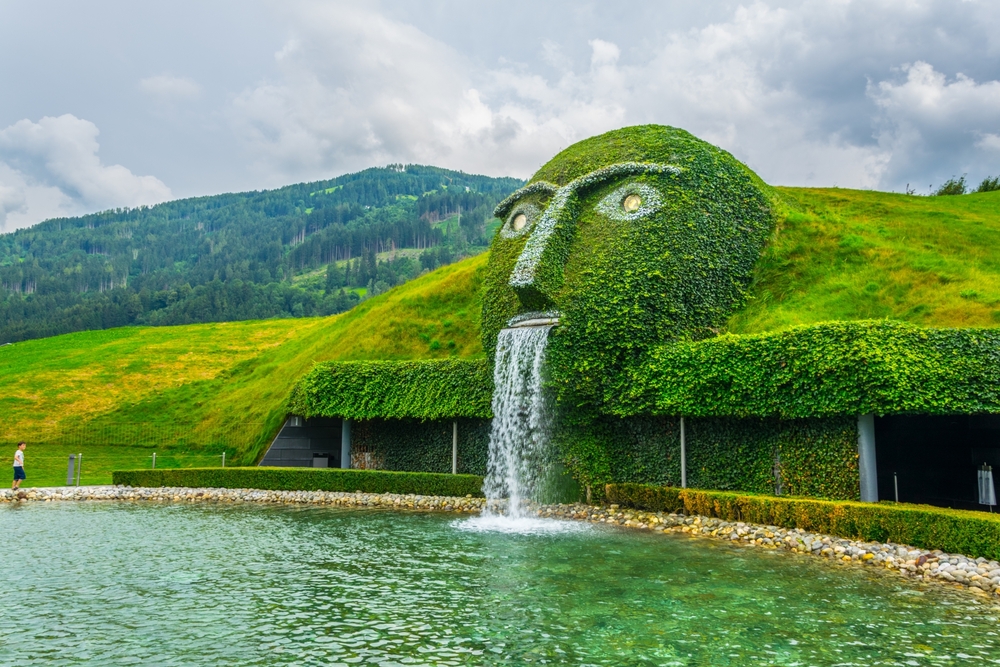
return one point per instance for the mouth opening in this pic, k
(534, 319)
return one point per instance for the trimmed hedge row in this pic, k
(955, 531)
(839, 368)
(431, 389)
(306, 479)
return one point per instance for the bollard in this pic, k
(79, 467)
(223, 459)
(454, 448)
(70, 474)
(154, 460)
(895, 483)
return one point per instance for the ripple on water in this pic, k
(119, 583)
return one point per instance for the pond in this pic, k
(189, 584)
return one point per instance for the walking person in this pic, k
(18, 465)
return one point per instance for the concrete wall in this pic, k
(300, 439)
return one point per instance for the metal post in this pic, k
(345, 444)
(867, 469)
(895, 483)
(684, 465)
(454, 447)
(223, 459)
(70, 472)
(79, 467)
(154, 460)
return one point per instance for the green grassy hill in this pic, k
(190, 392)
(850, 254)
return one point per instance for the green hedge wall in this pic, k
(810, 457)
(431, 389)
(423, 446)
(840, 368)
(306, 479)
(954, 531)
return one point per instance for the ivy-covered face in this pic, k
(631, 238)
(546, 215)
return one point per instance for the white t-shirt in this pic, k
(18, 459)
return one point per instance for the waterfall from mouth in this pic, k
(519, 440)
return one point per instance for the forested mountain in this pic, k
(302, 250)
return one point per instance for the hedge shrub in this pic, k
(954, 531)
(431, 389)
(804, 457)
(412, 445)
(839, 368)
(306, 479)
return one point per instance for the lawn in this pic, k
(850, 254)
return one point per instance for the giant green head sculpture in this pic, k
(631, 238)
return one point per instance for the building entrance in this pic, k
(935, 459)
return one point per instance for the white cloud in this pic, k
(358, 88)
(788, 90)
(927, 119)
(52, 168)
(12, 199)
(167, 87)
(989, 141)
(808, 92)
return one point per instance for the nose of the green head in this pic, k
(538, 273)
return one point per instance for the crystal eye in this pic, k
(632, 201)
(519, 220)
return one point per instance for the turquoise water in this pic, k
(123, 584)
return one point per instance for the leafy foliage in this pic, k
(302, 250)
(306, 479)
(427, 389)
(841, 368)
(954, 531)
(952, 187)
(989, 184)
(423, 446)
(814, 457)
(628, 283)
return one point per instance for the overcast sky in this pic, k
(106, 104)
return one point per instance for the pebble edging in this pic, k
(977, 575)
(180, 494)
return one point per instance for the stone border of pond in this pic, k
(467, 504)
(976, 575)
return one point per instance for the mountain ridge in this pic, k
(234, 256)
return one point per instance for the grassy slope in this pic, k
(209, 383)
(849, 254)
(836, 255)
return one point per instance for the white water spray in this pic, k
(519, 440)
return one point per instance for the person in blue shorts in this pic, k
(18, 465)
